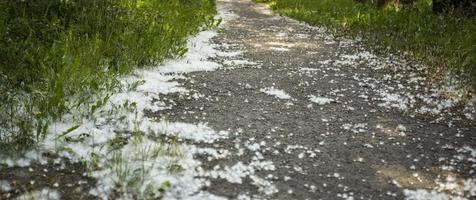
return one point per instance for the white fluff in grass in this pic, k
(199, 49)
(93, 140)
(121, 165)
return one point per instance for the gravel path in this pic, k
(264, 107)
(323, 117)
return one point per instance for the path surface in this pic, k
(330, 119)
(263, 108)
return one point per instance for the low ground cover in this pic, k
(59, 55)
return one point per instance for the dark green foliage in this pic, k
(57, 54)
(459, 7)
(32, 29)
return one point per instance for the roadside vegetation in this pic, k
(56, 55)
(442, 36)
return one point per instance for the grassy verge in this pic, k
(447, 43)
(56, 55)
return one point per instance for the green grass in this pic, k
(446, 43)
(56, 55)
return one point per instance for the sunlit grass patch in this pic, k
(446, 43)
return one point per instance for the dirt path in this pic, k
(323, 117)
(262, 108)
